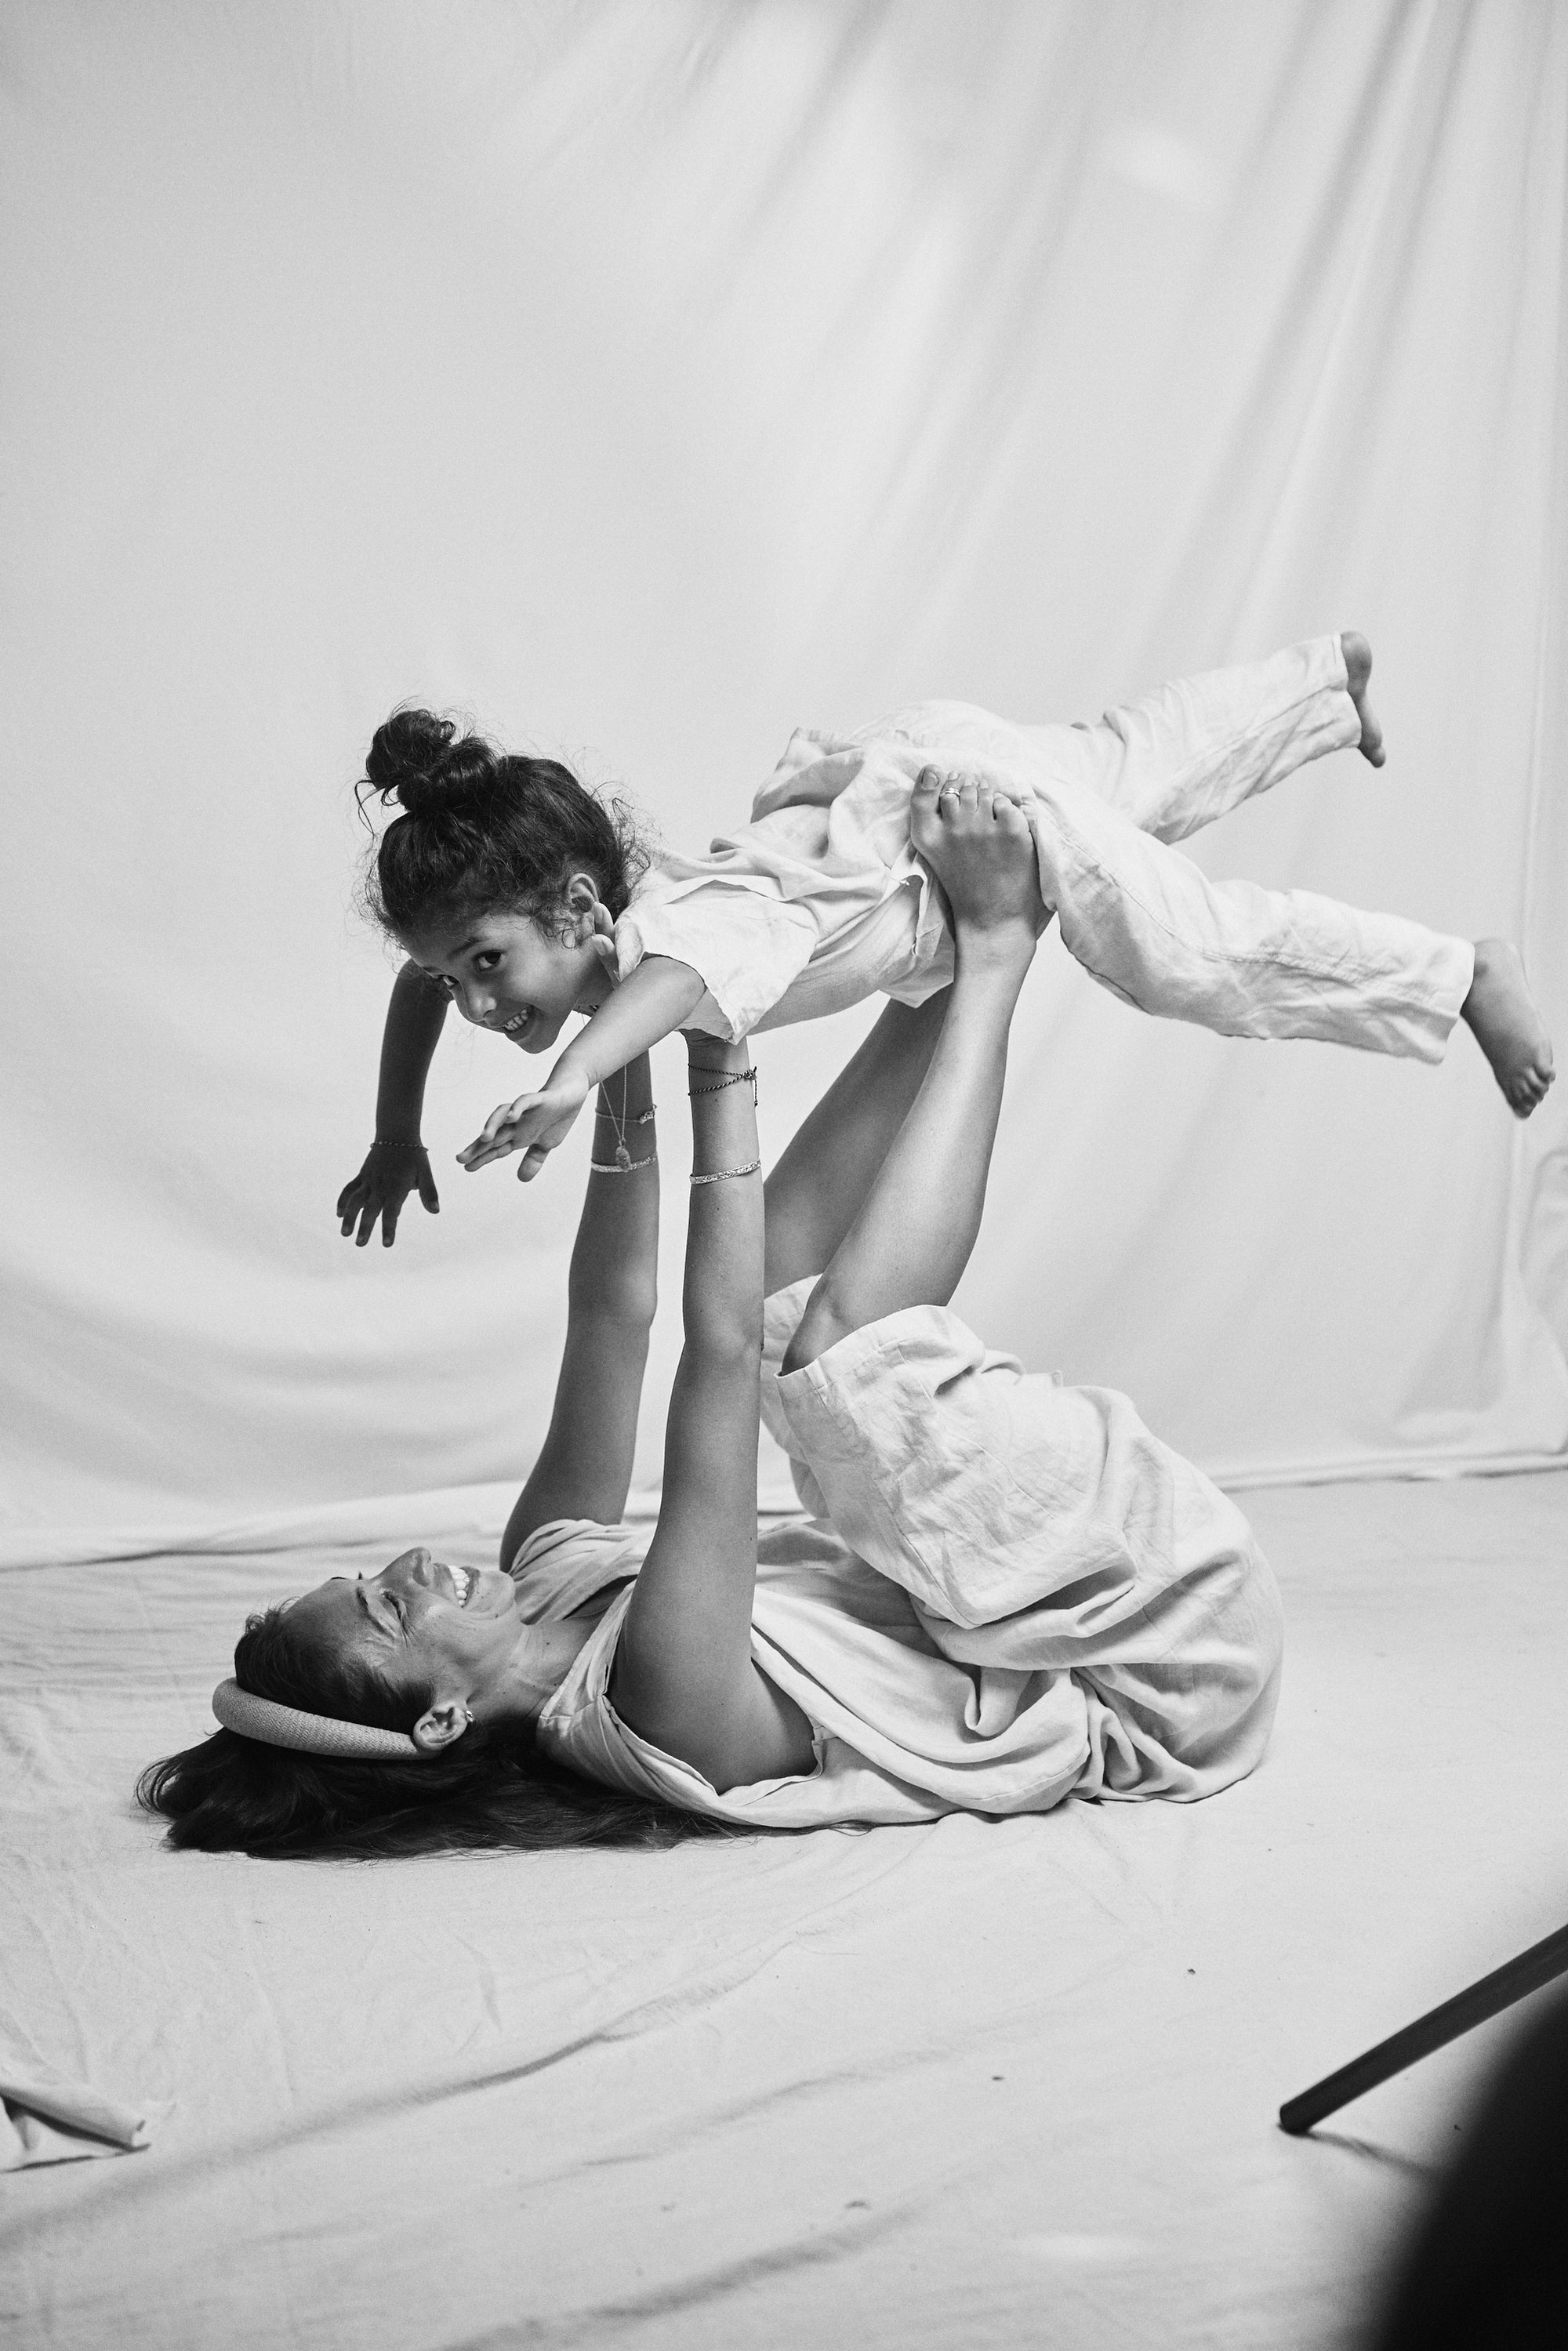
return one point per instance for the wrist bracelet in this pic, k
(386, 1143)
(724, 1077)
(644, 1117)
(628, 1166)
(723, 1175)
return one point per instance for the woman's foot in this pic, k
(1509, 1030)
(1357, 655)
(978, 841)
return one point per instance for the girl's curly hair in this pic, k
(482, 829)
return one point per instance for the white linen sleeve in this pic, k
(746, 945)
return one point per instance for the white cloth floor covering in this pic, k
(972, 2083)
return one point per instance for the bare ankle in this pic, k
(1003, 942)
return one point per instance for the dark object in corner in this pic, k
(1493, 1993)
(1486, 2269)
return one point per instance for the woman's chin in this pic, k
(495, 1593)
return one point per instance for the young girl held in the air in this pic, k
(518, 896)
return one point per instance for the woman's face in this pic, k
(505, 971)
(422, 1625)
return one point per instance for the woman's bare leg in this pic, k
(815, 1192)
(911, 1238)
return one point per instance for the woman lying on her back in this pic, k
(1007, 1592)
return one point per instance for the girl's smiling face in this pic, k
(509, 971)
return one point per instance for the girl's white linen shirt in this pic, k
(820, 901)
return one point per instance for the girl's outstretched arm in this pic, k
(683, 1675)
(396, 1162)
(650, 1004)
(585, 1464)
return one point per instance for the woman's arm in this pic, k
(585, 1465)
(684, 1675)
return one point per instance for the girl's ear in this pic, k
(602, 941)
(582, 904)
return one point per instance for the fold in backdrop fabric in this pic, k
(650, 382)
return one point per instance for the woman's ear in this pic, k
(440, 1725)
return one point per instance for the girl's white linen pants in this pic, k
(1105, 803)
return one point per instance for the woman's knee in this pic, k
(821, 1326)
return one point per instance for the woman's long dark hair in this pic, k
(481, 829)
(491, 1790)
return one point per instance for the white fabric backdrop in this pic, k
(650, 380)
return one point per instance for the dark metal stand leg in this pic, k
(1494, 1993)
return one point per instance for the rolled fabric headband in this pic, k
(310, 1734)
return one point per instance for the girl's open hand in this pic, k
(532, 1125)
(390, 1172)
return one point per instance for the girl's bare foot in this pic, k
(1509, 1030)
(1357, 655)
(979, 842)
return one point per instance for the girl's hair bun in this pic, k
(419, 761)
(482, 831)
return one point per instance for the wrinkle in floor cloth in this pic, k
(47, 2117)
(650, 383)
(904, 2087)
